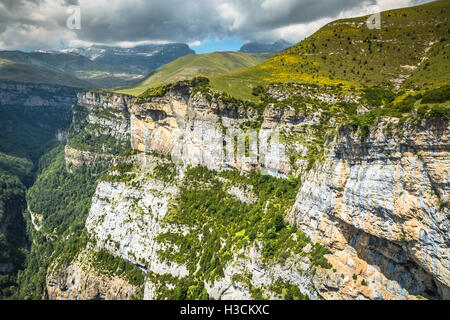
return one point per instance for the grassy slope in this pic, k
(434, 71)
(57, 62)
(73, 66)
(346, 51)
(13, 71)
(192, 65)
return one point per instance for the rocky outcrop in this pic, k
(75, 159)
(249, 262)
(103, 100)
(127, 217)
(107, 113)
(124, 219)
(195, 129)
(381, 205)
(101, 129)
(79, 281)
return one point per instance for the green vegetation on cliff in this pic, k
(108, 264)
(62, 200)
(29, 132)
(98, 136)
(61, 197)
(219, 225)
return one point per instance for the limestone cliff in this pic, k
(205, 129)
(81, 281)
(100, 130)
(379, 202)
(382, 206)
(128, 217)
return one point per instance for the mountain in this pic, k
(257, 47)
(20, 72)
(101, 66)
(306, 195)
(410, 50)
(140, 59)
(189, 66)
(49, 60)
(290, 179)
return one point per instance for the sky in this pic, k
(206, 25)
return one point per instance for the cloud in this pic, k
(41, 24)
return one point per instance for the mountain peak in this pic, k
(258, 47)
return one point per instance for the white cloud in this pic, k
(41, 24)
(194, 43)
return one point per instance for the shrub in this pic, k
(407, 105)
(377, 96)
(278, 222)
(258, 90)
(440, 111)
(200, 81)
(438, 95)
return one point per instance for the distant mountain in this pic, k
(20, 72)
(140, 59)
(102, 66)
(189, 66)
(50, 60)
(256, 47)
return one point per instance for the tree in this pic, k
(279, 222)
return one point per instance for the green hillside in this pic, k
(189, 66)
(408, 51)
(13, 71)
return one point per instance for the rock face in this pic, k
(380, 204)
(101, 129)
(196, 131)
(36, 95)
(127, 218)
(79, 281)
(96, 100)
(77, 158)
(294, 270)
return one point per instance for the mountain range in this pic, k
(257, 47)
(101, 66)
(98, 66)
(318, 172)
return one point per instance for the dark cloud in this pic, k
(193, 20)
(41, 24)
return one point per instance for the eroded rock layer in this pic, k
(379, 202)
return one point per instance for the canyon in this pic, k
(379, 204)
